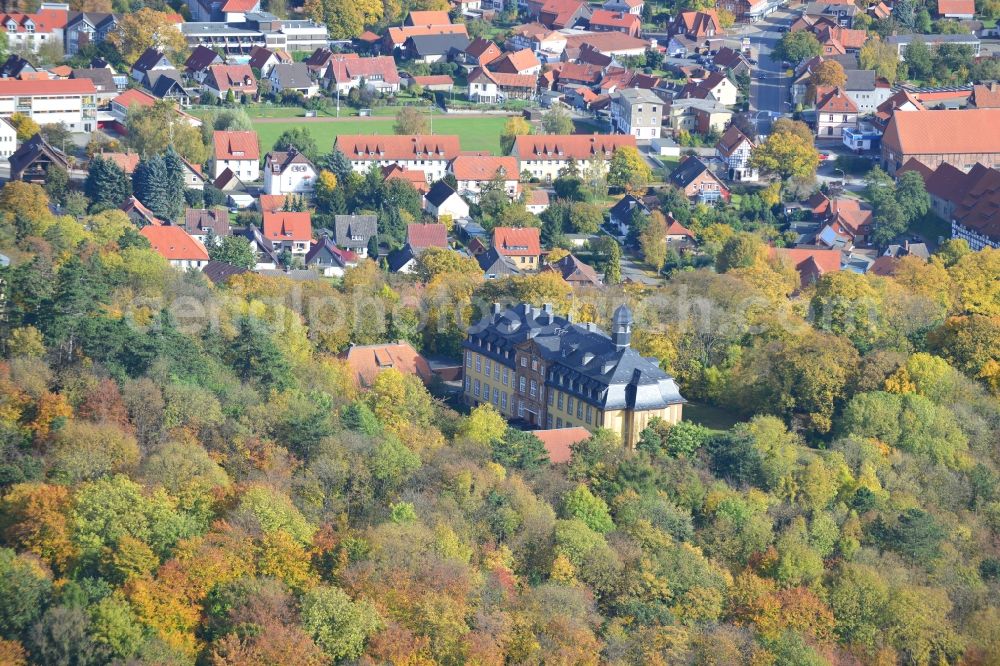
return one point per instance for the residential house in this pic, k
(571, 75)
(691, 31)
(544, 156)
(835, 112)
(8, 138)
(733, 62)
(355, 232)
(545, 370)
(167, 84)
(976, 218)
(473, 172)
(605, 43)
(84, 28)
(847, 224)
(319, 61)
(236, 11)
(16, 67)
(604, 21)
(150, 60)
(175, 245)
(559, 443)
(29, 32)
(677, 234)
(624, 212)
(810, 263)
(481, 52)
(637, 112)
(104, 83)
(716, 87)
(540, 39)
(962, 10)
(697, 115)
(495, 265)
(329, 259)
(396, 38)
(133, 97)
(367, 361)
(834, 13)
(575, 272)
(518, 62)
(288, 172)
(627, 6)
(71, 102)
(961, 138)
(206, 225)
(985, 96)
(417, 18)
(435, 48)
(750, 11)
(693, 177)
(839, 41)
(734, 148)
(522, 246)
(267, 258)
(31, 162)
(263, 59)
(902, 42)
(219, 272)
(201, 58)
(239, 152)
(427, 153)
(442, 202)
(536, 200)
(947, 185)
(288, 232)
(378, 73)
(221, 80)
(559, 14)
(138, 214)
(865, 90)
(293, 76)
(419, 237)
(415, 178)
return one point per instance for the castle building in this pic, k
(550, 372)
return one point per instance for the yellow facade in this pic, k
(493, 375)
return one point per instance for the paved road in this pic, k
(770, 93)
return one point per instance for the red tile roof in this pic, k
(810, 263)
(563, 147)
(420, 236)
(404, 147)
(416, 178)
(239, 5)
(367, 361)
(272, 202)
(16, 87)
(502, 79)
(559, 442)
(675, 228)
(483, 50)
(602, 17)
(944, 132)
(698, 24)
(236, 146)
(483, 168)
(986, 96)
(980, 207)
(961, 7)
(434, 80)
(346, 69)
(517, 62)
(732, 139)
(127, 162)
(173, 243)
(834, 100)
(512, 242)
(283, 225)
(428, 18)
(134, 97)
(235, 77)
(399, 35)
(44, 20)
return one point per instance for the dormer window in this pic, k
(237, 153)
(11, 26)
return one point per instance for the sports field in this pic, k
(475, 132)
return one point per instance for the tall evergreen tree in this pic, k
(150, 182)
(174, 186)
(107, 184)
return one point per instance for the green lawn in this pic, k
(713, 418)
(477, 133)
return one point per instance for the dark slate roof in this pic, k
(148, 60)
(325, 245)
(439, 193)
(200, 58)
(96, 19)
(218, 271)
(495, 264)
(33, 149)
(399, 258)
(199, 220)
(425, 45)
(599, 369)
(102, 77)
(687, 171)
(626, 206)
(255, 237)
(860, 79)
(294, 76)
(346, 226)
(14, 66)
(166, 82)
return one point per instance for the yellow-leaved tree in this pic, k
(145, 29)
